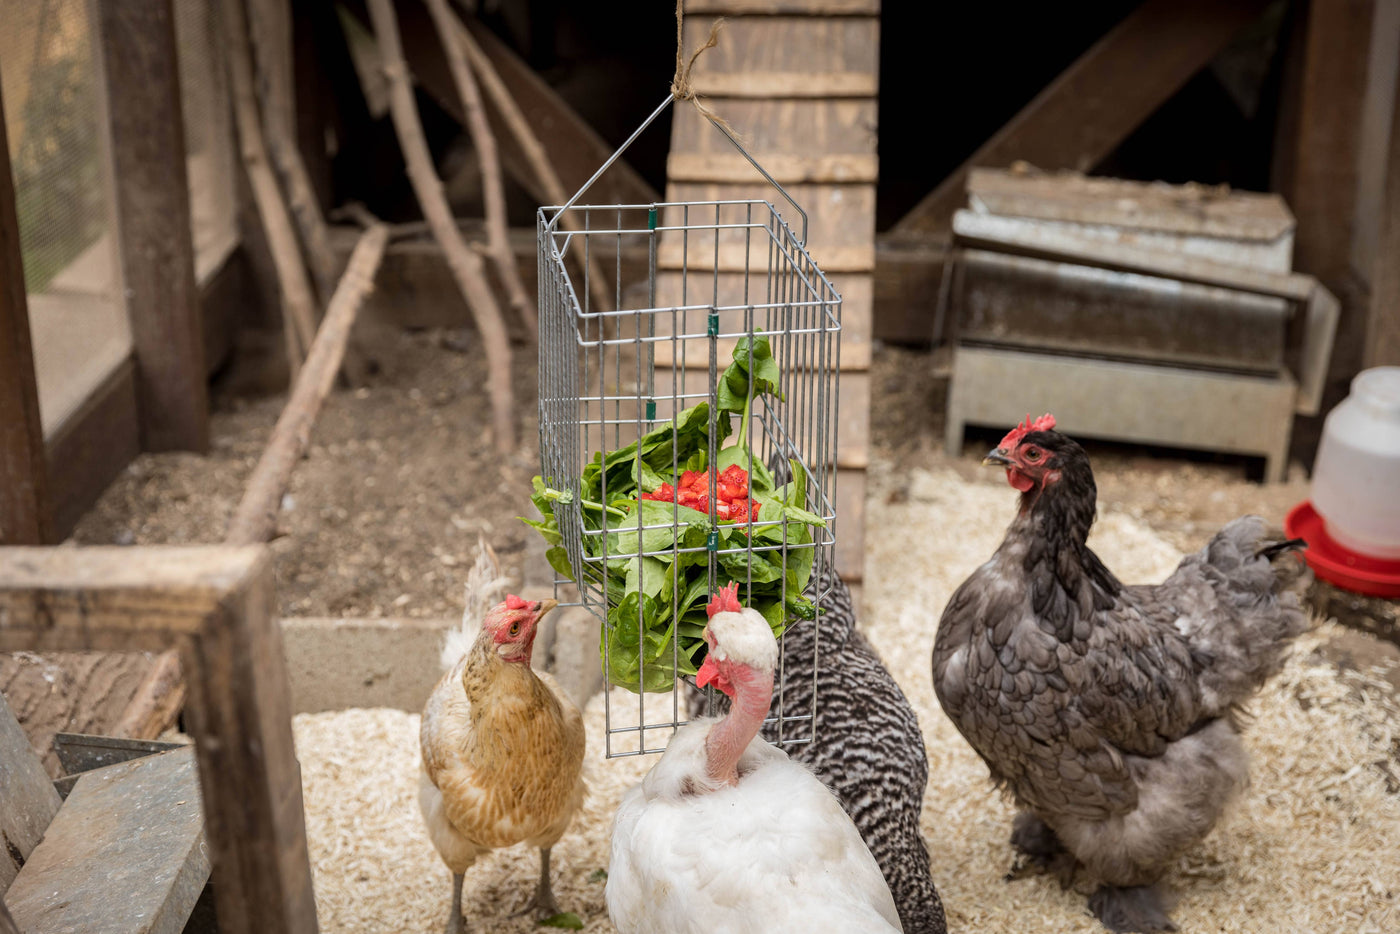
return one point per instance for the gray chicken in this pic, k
(868, 748)
(1110, 712)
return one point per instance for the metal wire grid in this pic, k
(609, 376)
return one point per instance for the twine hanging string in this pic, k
(681, 88)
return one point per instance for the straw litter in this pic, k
(1309, 847)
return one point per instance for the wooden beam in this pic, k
(28, 800)
(24, 506)
(141, 71)
(91, 447)
(216, 605)
(1102, 97)
(255, 520)
(1383, 321)
(1321, 156)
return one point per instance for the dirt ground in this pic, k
(401, 477)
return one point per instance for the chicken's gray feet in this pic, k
(542, 903)
(1041, 851)
(1138, 908)
(455, 925)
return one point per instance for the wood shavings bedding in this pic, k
(1309, 847)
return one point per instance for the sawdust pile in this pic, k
(1310, 847)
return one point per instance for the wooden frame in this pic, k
(215, 604)
(146, 124)
(24, 507)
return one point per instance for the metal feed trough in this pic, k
(718, 273)
(1139, 312)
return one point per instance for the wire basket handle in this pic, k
(681, 89)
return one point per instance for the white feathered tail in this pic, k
(484, 588)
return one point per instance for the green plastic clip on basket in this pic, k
(688, 428)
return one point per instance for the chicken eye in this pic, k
(515, 628)
(1033, 454)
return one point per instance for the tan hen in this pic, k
(502, 744)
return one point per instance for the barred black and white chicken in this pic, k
(868, 748)
(1109, 712)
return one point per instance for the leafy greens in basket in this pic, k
(656, 520)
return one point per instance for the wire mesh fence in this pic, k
(723, 355)
(50, 77)
(55, 121)
(209, 143)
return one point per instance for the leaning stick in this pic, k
(298, 301)
(449, 29)
(466, 267)
(155, 707)
(534, 152)
(256, 517)
(272, 36)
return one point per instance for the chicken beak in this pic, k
(996, 458)
(544, 607)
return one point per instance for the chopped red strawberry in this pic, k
(693, 490)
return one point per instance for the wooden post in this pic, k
(466, 267)
(1383, 321)
(216, 604)
(139, 66)
(256, 517)
(24, 506)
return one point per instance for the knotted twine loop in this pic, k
(681, 88)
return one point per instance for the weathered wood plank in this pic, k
(156, 705)
(24, 504)
(125, 854)
(840, 226)
(908, 273)
(91, 446)
(784, 7)
(249, 772)
(153, 220)
(215, 604)
(1383, 321)
(82, 692)
(1318, 163)
(97, 597)
(785, 168)
(787, 56)
(1102, 97)
(850, 525)
(854, 288)
(794, 127)
(769, 84)
(28, 801)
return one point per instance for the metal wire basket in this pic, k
(722, 279)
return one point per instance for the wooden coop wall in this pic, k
(127, 299)
(800, 89)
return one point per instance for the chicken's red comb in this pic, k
(515, 603)
(726, 601)
(1014, 436)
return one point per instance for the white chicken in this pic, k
(726, 833)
